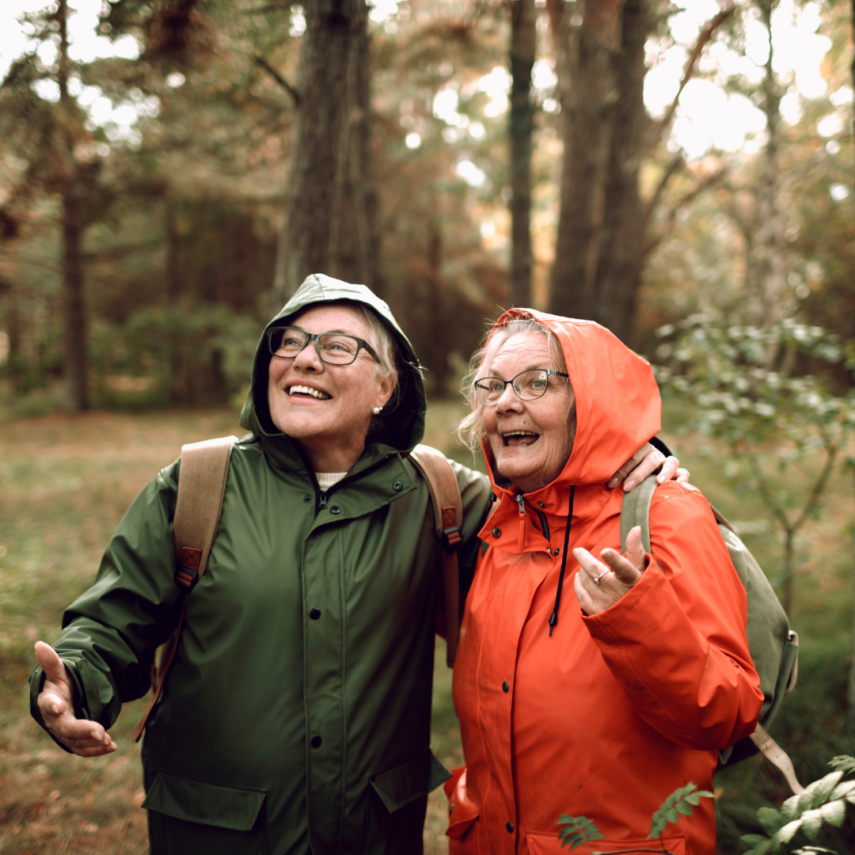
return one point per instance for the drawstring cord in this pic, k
(553, 618)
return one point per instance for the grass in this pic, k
(65, 482)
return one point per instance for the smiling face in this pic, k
(327, 408)
(531, 441)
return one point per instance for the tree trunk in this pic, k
(523, 45)
(850, 689)
(620, 254)
(587, 39)
(75, 362)
(769, 264)
(331, 206)
(787, 576)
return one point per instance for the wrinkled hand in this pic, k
(56, 704)
(644, 462)
(615, 577)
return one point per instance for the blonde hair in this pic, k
(469, 431)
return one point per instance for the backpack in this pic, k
(773, 645)
(201, 487)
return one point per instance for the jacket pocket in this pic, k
(403, 784)
(192, 816)
(547, 843)
(462, 809)
(396, 800)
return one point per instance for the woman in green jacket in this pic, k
(296, 717)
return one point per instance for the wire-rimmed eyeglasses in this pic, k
(333, 348)
(528, 385)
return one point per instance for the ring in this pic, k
(597, 580)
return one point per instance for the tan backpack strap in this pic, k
(448, 519)
(201, 487)
(776, 755)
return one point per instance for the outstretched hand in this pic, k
(600, 585)
(56, 704)
(644, 462)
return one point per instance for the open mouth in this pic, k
(519, 438)
(307, 392)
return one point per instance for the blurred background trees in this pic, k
(171, 169)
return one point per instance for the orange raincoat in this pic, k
(611, 713)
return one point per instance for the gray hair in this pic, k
(469, 431)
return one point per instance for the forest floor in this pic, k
(65, 481)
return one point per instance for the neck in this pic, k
(323, 458)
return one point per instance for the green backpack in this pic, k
(774, 646)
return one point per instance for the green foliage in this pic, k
(681, 801)
(577, 830)
(823, 802)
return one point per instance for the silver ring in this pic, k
(597, 580)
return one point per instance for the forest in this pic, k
(681, 172)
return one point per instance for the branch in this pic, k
(831, 448)
(696, 191)
(777, 512)
(689, 69)
(263, 63)
(675, 164)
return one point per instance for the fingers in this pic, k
(682, 476)
(51, 701)
(600, 585)
(669, 470)
(629, 466)
(51, 664)
(651, 462)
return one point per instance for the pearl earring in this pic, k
(377, 411)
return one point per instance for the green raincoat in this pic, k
(296, 716)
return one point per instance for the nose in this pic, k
(508, 401)
(308, 359)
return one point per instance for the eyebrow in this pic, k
(325, 332)
(530, 368)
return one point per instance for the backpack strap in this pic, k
(201, 487)
(635, 510)
(448, 519)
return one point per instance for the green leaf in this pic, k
(843, 762)
(834, 813)
(811, 822)
(762, 846)
(679, 802)
(817, 793)
(842, 790)
(787, 832)
(577, 830)
(770, 819)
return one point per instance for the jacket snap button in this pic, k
(497, 532)
(505, 686)
(314, 614)
(541, 505)
(307, 498)
(335, 509)
(397, 486)
(510, 827)
(557, 551)
(316, 742)
(450, 809)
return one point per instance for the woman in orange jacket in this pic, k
(603, 699)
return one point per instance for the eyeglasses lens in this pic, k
(334, 348)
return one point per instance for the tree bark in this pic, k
(523, 47)
(769, 262)
(587, 37)
(331, 211)
(620, 254)
(75, 366)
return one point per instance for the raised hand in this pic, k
(600, 585)
(56, 704)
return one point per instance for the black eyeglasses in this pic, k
(333, 348)
(528, 386)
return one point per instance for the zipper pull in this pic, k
(322, 500)
(521, 503)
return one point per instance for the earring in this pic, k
(377, 411)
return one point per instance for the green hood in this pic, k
(402, 425)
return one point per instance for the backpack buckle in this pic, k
(451, 538)
(187, 574)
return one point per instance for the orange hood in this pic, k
(618, 406)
